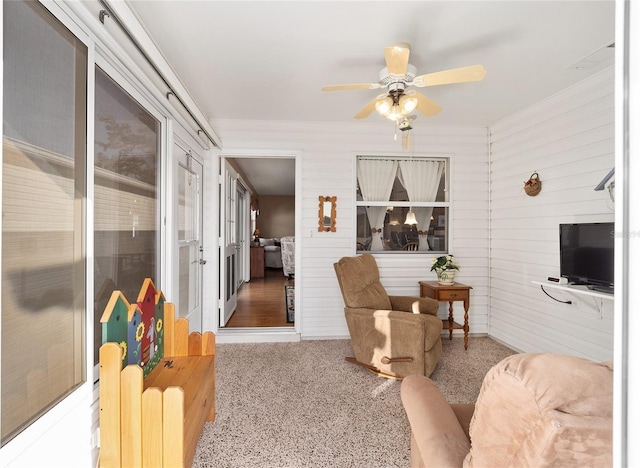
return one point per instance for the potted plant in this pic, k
(445, 267)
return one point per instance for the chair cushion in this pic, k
(264, 242)
(543, 410)
(359, 281)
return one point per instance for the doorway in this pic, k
(257, 292)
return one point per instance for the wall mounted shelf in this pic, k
(581, 292)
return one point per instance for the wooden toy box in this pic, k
(155, 394)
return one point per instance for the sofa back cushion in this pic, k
(360, 284)
(543, 410)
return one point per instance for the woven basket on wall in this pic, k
(533, 186)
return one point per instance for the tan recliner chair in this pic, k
(393, 336)
(533, 410)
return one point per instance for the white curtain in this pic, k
(376, 177)
(421, 178)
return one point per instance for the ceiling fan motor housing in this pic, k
(388, 80)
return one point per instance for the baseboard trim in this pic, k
(505, 344)
(257, 335)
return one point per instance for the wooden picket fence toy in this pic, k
(157, 383)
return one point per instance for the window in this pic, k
(402, 204)
(126, 175)
(43, 206)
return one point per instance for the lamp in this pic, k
(383, 106)
(411, 218)
(407, 103)
(395, 113)
(393, 217)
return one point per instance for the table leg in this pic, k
(450, 320)
(466, 324)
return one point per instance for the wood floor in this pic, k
(261, 302)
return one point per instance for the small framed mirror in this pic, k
(327, 214)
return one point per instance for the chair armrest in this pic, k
(417, 305)
(370, 321)
(438, 435)
(401, 315)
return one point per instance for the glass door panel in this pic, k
(190, 260)
(43, 223)
(127, 191)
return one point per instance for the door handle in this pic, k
(203, 262)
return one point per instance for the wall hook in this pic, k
(102, 14)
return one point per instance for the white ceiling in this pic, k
(267, 60)
(269, 176)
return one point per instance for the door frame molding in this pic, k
(261, 334)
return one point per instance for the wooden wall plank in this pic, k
(328, 169)
(208, 344)
(110, 367)
(131, 415)
(181, 337)
(169, 329)
(173, 427)
(152, 449)
(195, 344)
(568, 139)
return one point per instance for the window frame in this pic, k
(448, 205)
(41, 426)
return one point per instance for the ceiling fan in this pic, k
(399, 75)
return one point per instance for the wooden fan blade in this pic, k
(351, 86)
(368, 109)
(397, 58)
(455, 75)
(426, 106)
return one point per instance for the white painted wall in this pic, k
(328, 169)
(569, 140)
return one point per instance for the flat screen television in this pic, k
(586, 254)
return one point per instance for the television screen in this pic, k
(586, 253)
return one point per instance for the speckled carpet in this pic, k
(282, 405)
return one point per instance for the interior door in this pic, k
(229, 246)
(242, 231)
(189, 235)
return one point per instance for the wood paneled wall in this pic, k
(569, 140)
(328, 169)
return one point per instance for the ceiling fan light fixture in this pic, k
(407, 103)
(395, 113)
(383, 106)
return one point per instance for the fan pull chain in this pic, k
(406, 140)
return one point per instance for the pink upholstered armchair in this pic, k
(534, 410)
